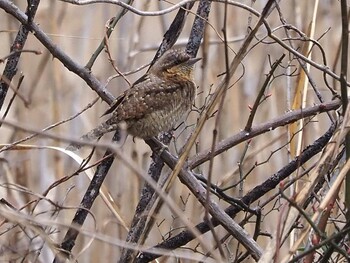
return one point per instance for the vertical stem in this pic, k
(85, 205)
(198, 27)
(344, 92)
(18, 44)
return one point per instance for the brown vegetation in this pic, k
(258, 170)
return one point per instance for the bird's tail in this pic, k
(92, 135)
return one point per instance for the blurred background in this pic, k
(50, 93)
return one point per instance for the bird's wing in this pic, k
(121, 97)
(146, 97)
(115, 104)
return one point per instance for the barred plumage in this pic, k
(155, 102)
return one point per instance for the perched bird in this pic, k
(155, 102)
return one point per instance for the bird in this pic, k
(155, 103)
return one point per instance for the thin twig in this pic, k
(129, 7)
(248, 126)
(280, 121)
(273, 181)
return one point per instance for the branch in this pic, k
(261, 93)
(257, 192)
(283, 120)
(89, 197)
(219, 215)
(15, 54)
(129, 7)
(173, 33)
(58, 53)
(198, 27)
(321, 67)
(147, 200)
(344, 91)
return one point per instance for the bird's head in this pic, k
(175, 62)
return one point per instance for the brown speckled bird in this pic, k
(155, 102)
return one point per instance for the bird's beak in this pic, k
(191, 61)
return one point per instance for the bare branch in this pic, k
(129, 7)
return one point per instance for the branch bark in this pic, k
(17, 45)
(257, 192)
